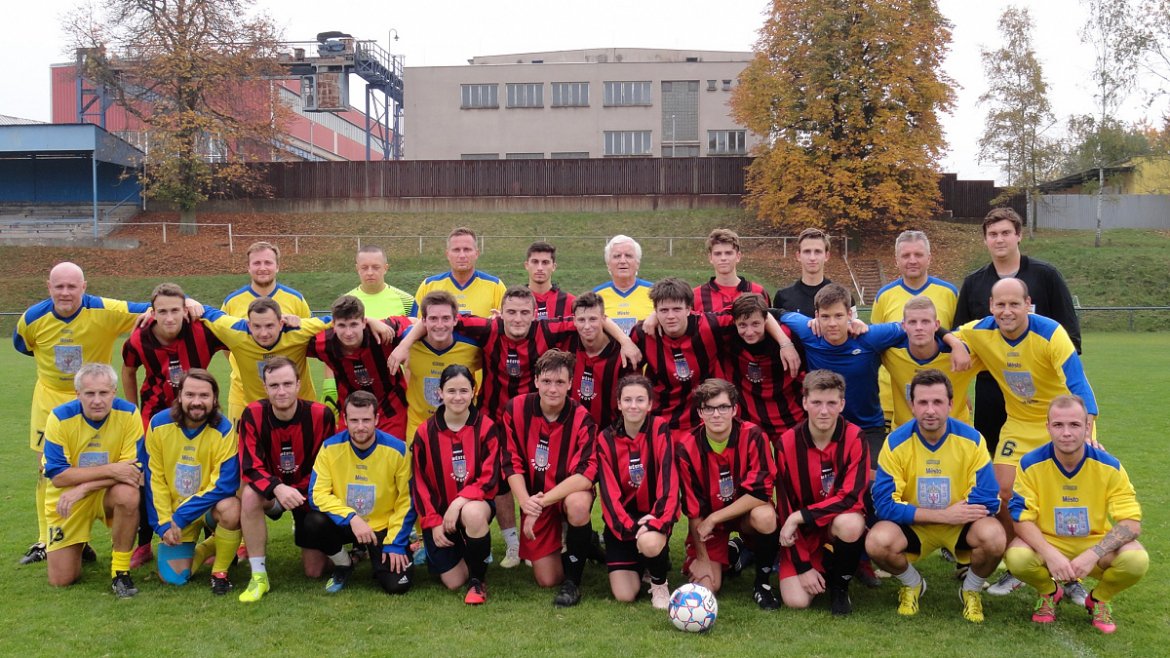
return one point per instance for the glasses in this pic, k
(722, 409)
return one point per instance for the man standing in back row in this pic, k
(812, 252)
(477, 293)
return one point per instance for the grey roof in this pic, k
(67, 140)
(6, 120)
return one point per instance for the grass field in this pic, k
(1130, 372)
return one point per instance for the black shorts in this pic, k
(442, 560)
(875, 437)
(914, 543)
(300, 535)
(623, 555)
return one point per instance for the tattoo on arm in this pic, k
(1119, 536)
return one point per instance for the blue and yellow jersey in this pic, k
(1082, 503)
(901, 366)
(293, 343)
(482, 293)
(887, 305)
(60, 345)
(1031, 370)
(390, 302)
(627, 308)
(911, 473)
(373, 483)
(187, 471)
(73, 440)
(426, 364)
(291, 302)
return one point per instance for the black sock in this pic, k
(846, 557)
(659, 566)
(476, 555)
(766, 547)
(145, 532)
(577, 550)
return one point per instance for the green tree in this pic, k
(846, 96)
(193, 73)
(1088, 143)
(1018, 111)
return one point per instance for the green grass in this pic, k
(1130, 372)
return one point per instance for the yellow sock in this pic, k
(119, 561)
(202, 550)
(1127, 569)
(1025, 564)
(42, 522)
(226, 543)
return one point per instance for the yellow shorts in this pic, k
(1070, 547)
(44, 400)
(925, 538)
(77, 527)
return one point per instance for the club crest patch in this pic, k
(67, 358)
(1072, 521)
(188, 477)
(361, 497)
(934, 493)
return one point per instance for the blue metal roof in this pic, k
(78, 140)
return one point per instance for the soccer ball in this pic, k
(693, 608)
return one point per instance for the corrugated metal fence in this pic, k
(550, 178)
(1079, 211)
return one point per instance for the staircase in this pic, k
(867, 278)
(65, 221)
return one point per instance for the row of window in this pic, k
(565, 94)
(639, 142)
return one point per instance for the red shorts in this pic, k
(547, 531)
(716, 547)
(810, 549)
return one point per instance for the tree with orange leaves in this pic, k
(846, 96)
(195, 75)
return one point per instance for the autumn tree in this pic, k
(193, 72)
(846, 96)
(1018, 111)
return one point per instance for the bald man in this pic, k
(63, 332)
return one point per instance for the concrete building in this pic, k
(605, 102)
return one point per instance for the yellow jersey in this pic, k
(426, 364)
(1081, 504)
(72, 440)
(291, 302)
(887, 305)
(60, 345)
(627, 308)
(293, 343)
(912, 473)
(187, 471)
(482, 293)
(373, 483)
(390, 302)
(902, 366)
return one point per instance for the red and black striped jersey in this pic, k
(555, 303)
(508, 363)
(365, 370)
(677, 365)
(710, 481)
(820, 484)
(636, 477)
(453, 463)
(595, 378)
(164, 365)
(274, 451)
(768, 395)
(547, 452)
(714, 298)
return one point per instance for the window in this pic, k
(569, 155)
(726, 142)
(570, 94)
(480, 96)
(727, 85)
(523, 156)
(627, 93)
(710, 85)
(526, 94)
(680, 151)
(479, 156)
(627, 142)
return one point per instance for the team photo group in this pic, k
(778, 434)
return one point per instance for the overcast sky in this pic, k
(448, 32)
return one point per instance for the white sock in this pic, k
(341, 559)
(258, 564)
(511, 537)
(973, 583)
(910, 577)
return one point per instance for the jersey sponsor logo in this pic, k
(512, 363)
(856, 351)
(540, 459)
(431, 391)
(288, 460)
(682, 369)
(361, 376)
(637, 471)
(827, 479)
(174, 371)
(587, 389)
(726, 485)
(755, 374)
(541, 311)
(1020, 384)
(67, 358)
(187, 479)
(1071, 521)
(260, 369)
(87, 459)
(626, 324)
(934, 493)
(361, 497)
(458, 464)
